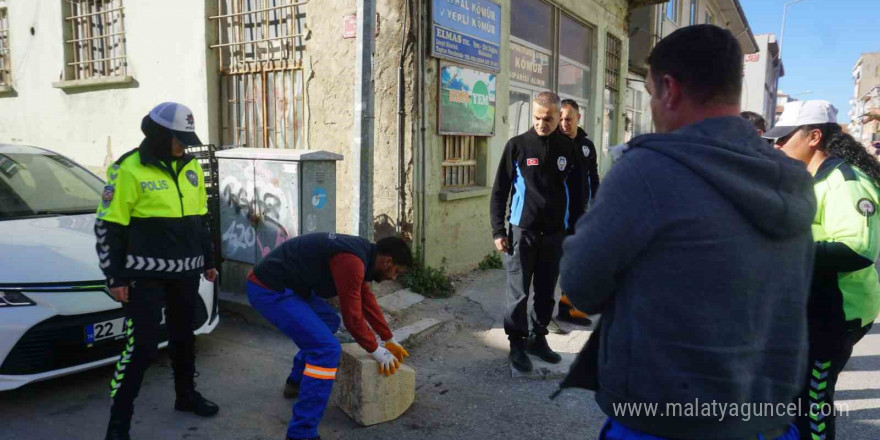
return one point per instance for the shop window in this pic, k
(672, 10)
(693, 15)
(94, 36)
(531, 58)
(575, 42)
(635, 114)
(531, 20)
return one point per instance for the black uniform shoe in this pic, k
(291, 389)
(538, 347)
(313, 438)
(518, 357)
(193, 402)
(118, 430)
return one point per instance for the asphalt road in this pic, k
(464, 390)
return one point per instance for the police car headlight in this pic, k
(14, 299)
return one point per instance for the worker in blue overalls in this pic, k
(288, 288)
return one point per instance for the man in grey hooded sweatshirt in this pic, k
(698, 254)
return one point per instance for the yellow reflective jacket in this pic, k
(152, 220)
(846, 293)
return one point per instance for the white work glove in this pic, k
(387, 362)
(396, 349)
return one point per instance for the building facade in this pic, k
(77, 77)
(649, 24)
(761, 73)
(865, 109)
(865, 124)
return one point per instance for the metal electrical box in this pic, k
(269, 195)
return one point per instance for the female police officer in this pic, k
(845, 295)
(153, 243)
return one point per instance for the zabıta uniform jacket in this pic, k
(541, 177)
(845, 293)
(152, 220)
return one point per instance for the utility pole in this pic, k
(779, 66)
(362, 145)
(782, 32)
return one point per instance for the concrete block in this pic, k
(365, 395)
(400, 300)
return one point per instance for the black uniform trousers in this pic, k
(143, 314)
(829, 353)
(533, 260)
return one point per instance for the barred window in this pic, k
(94, 34)
(612, 63)
(5, 65)
(612, 89)
(261, 48)
(459, 161)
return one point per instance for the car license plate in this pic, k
(104, 330)
(109, 329)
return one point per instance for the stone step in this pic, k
(419, 331)
(400, 300)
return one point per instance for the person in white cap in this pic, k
(153, 243)
(845, 295)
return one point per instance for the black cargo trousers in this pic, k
(533, 260)
(830, 350)
(143, 316)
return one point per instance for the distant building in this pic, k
(649, 24)
(761, 72)
(865, 110)
(781, 100)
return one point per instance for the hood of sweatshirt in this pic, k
(773, 191)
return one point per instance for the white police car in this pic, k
(56, 316)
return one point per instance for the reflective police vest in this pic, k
(847, 234)
(161, 205)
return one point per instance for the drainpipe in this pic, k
(362, 145)
(401, 100)
(420, 95)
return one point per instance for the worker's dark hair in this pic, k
(395, 248)
(571, 103)
(705, 59)
(756, 120)
(835, 141)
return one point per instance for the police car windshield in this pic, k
(42, 183)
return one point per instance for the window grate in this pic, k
(459, 161)
(258, 31)
(96, 44)
(260, 45)
(612, 63)
(5, 65)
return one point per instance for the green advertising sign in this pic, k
(467, 101)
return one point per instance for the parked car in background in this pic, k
(56, 315)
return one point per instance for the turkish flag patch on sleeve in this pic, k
(531, 162)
